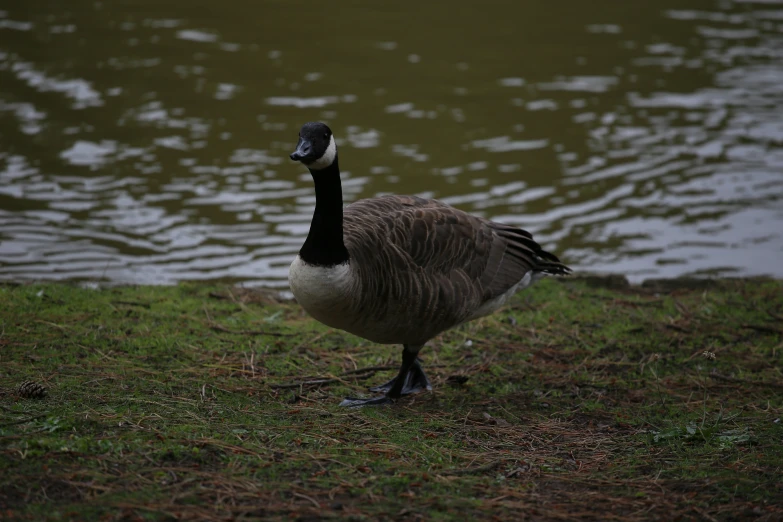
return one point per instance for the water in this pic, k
(147, 142)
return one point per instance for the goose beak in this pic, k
(303, 149)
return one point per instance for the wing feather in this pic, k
(428, 261)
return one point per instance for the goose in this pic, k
(402, 269)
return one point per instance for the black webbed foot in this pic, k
(353, 402)
(410, 379)
(415, 381)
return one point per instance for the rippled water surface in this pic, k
(147, 142)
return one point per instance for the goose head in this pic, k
(316, 149)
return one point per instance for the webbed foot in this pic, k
(353, 402)
(415, 381)
(410, 379)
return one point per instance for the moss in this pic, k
(209, 402)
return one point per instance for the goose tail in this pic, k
(548, 263)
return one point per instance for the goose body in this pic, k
(402, 269)
(416, 268)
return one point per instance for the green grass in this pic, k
(211, 402)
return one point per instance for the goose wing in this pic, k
(407, 233)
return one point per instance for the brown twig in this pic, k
(774, 315)
(358, 373)
(308, 498)
(220, 328)
(719, 377)
(763, 328)
(473, 471)
(316, 382)
(132, 303)
(370, 369)
(22, 421)
(676, 328)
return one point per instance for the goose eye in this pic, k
(326, 135)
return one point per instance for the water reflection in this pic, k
(150, 146)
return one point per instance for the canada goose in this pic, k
(402, 269)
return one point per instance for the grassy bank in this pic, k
(212, 402)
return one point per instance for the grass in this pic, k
(579, 401)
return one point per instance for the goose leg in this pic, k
(410, 379)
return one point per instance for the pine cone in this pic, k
(32, 390)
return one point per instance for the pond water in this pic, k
(148, 142)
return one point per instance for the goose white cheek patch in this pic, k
(328, 157)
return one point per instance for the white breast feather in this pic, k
(323, 292)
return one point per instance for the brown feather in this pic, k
(432, 266)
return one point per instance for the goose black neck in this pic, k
(324, 245)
